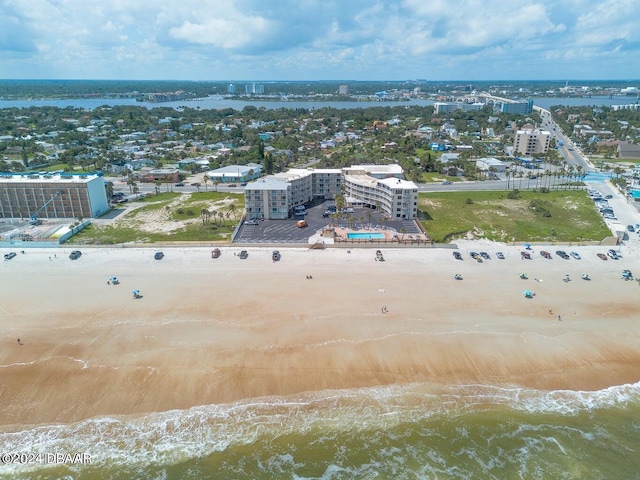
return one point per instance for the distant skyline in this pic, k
(276, 40)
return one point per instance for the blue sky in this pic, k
(320, 40)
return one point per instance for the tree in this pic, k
(205, 214)
(205, 179)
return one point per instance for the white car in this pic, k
(575, 255)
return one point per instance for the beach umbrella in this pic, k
(527, 246)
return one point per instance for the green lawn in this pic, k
(169, 208)
(427, 177)
(492, 215)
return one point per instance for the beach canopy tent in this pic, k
(528, 293)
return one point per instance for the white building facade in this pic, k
(379, 186)
(530, 142)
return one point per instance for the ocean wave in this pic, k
(333, 417)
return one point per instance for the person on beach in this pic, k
(20, 342)
(559, 318)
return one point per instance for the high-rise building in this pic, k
(530, 142)
(254, 89)
(52, 196)
(231, 89)
(518, 108)
(343, 90)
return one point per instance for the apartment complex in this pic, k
(52, 196)
(381, 186)
(530, 142)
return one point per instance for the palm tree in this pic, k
(205, 179)
(204, 213)
(157, 183)
(215, 184)
(197, 185)
(234, 210)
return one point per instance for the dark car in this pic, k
(159, 256)
(630, 228)
(75, 255)
(180, 184)
(457, 255)
(485, 255)
(500, 255)
(474, 255)
(243, 254)
(562, 254)
(9, 256)
(275, 256)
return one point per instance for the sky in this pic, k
(275, 40)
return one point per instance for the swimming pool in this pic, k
(635, 193)
(366, 236)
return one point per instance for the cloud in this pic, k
(312, 39)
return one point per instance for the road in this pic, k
(568, 150)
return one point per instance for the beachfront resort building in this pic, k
(60, 195)
(376, 186)
(532, 141)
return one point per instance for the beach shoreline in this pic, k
(210, 331)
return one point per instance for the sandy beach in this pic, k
(217, 330)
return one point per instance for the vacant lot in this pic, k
(555, 216)
(170, 217)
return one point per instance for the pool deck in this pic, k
(389, 235)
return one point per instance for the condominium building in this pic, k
(397, 197)
(52, 196)
(530, 142)
(379, 186)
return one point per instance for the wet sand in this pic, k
(218, 330)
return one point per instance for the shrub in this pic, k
(468, 201)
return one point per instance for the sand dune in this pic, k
(210, 331)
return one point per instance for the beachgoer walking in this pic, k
(559, 318)
(20, 342)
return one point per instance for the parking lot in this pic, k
(286, 231)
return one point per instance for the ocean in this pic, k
(416, 431)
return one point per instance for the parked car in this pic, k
(457, 255)
(601, 256)
(608, 197)
(613, 254)
(525, 255)
(630, 228)
(275, 256)
(562, 254)
(575, 255)
(75, 255)
(545, 254)
(500, 255)
(215, 253)
(159, 256)
(251, 222)
(9, 256)
(243, 254)
(485, 255)
(474, 255)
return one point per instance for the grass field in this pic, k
(564, 216)
(170, 217)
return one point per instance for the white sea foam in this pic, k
(171, 437)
